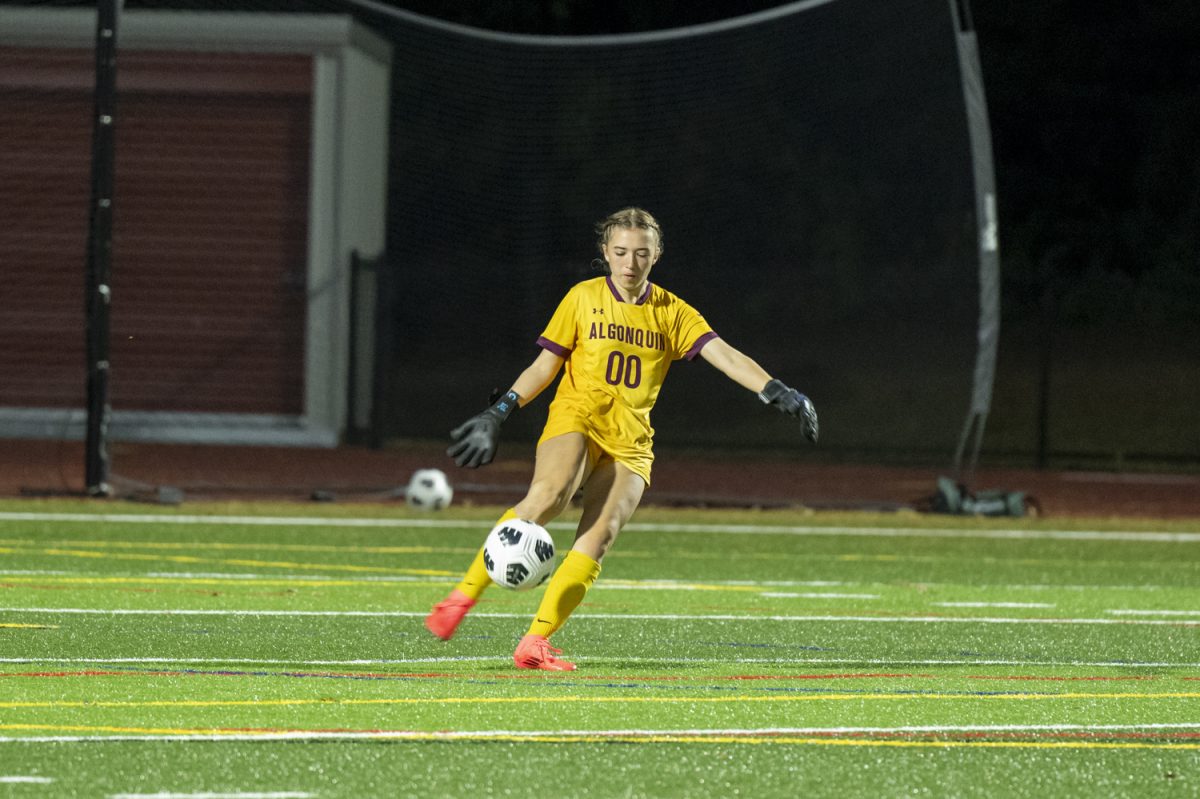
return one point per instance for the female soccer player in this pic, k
(616, 335)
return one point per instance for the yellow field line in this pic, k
(8, 626)
(128, 730)
(392, 550)
(56, 579)
(203, 545)
(191, 559)
(498, 700)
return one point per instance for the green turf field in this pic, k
(277, 651)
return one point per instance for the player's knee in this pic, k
(543, 502)
(599, 537)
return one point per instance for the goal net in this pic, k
(811, 169)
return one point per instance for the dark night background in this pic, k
(1094, 110)
(1095, 114)
(1095, 117)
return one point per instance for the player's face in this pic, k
(630, 253)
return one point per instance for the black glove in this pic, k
(475, 439)
(793, 403)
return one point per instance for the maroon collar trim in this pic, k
(640, 300)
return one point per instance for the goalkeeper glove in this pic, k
(475, 439)
(793, 403)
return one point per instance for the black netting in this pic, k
(812, 175)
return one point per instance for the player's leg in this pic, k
(561, 466)
(562, 463)
(609, 500)
(444, 619)
(610, 497)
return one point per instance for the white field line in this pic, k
(656, 582)
(721, 529)
(592, 616)
(992, 604)
(450, 735)
(777, 661)
(18, 779)
(647, 584)
(792, 595)
(38, 573)
(1131, 612)
(225, 577)
(210, 795)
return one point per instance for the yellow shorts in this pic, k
(601, 447)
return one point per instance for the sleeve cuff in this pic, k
(557, 349)
(699, 345)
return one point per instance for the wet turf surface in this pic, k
(720, 654)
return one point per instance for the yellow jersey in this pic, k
(617, 355)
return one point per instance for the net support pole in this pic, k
(98, 299)
(988, 332)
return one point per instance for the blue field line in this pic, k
(630, 684)
(600, 659)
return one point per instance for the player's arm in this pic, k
(745, 371)
(475, 440)
(536, 377)
(736, 365)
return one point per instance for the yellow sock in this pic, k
(571, 581)
(476, 579)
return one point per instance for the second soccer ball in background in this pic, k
(429, 490)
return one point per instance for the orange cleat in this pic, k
(535, 652)
(446, 614)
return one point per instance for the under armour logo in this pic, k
(598, 310)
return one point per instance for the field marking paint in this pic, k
(992, 604)
(449, 578)
(210, 795)
(1116, 664)
(614, 681)
(7, 626)
(18, 779)
(793, 736)
(261, 581)
(274, 564)
(734, 529)
(790, 595)
(213, 578)
(270, 546)
(928, 729)
(589, 616)
(37, 572)
(1128, 612)
(574, 699)
(648, 584)
(923, 729)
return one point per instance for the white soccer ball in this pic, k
(518, 554)
(428, 490)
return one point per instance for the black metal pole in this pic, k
(353, 431)
(98, 300)
(1049, 323)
